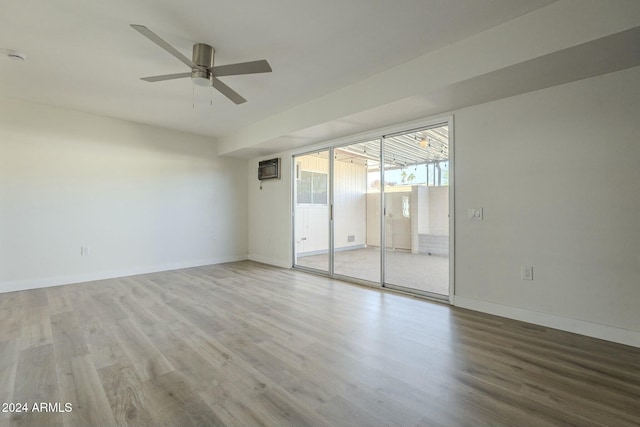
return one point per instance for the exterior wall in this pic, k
(427, 228)
(312, 235)
(434, 238)
(311, 226)
(350, 205)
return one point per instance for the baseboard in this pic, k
(271, 261)
(595, 330)
(46, 282)
(326, 251)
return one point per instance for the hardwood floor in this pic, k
(245, 344)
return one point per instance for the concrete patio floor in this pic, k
(415, 271)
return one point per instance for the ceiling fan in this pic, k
(203, 72)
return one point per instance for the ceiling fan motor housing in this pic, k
(203, 55)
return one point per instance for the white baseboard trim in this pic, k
(582, 327)
(326, 251)
(271, 261)
(46, 282)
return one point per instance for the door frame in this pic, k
(448, 121)
(329, 206)
(379, 133)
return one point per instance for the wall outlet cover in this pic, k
(475, 214)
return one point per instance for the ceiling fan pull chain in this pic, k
(193, 96)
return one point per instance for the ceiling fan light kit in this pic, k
(200, 78)
(203, 72)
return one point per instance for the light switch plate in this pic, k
(475, 214)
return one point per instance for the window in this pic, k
(312, 188)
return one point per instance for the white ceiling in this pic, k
(82, 54)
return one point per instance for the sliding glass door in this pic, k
(377, 211)
(311, 210)
(416, 206)
(356, 210)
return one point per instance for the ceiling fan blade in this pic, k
(251, 67)
(163, 44)
(227, 91)
(165, 77)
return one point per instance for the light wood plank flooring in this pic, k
(243, 344)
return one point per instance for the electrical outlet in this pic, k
(526, 272)
(85, 250)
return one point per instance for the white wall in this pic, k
(143, 198)
(270, 211)
(311, 228)
(438, 210)
(373, 219)
(429, 214)
(350, 204)
(557, 173)
(270, 215)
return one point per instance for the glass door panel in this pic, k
(416, 218)
(311, 210)
(356, 211)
